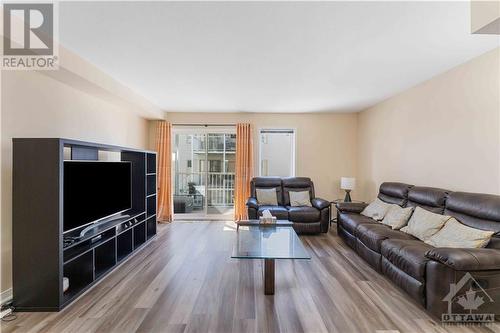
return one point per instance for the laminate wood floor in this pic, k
(185, 281)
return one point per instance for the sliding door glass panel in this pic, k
(204, 170)
(220, 182)
(277, 153)
(189, 161)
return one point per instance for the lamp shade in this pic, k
(347, 183)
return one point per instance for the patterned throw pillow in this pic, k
(266, 196)
(455, 234)
(299, 198)
(423, 224)
(397, 217)
(376, 210)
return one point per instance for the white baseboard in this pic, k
(6, 296)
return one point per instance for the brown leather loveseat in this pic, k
(426, 273)
(306, 219)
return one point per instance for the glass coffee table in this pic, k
(268, 243)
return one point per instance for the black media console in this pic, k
(42, 255)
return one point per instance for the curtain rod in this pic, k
(203, 125)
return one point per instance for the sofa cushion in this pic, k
(455, 234)
(397, 217)
(407, 255)
(267, 182)
(394, 193)
(296, 184)
(280, 212)
(372, 235)
(423, 224)
(476, 210)
(481, 211)
(300, 198)
(376, 209)
(267, 196)
(303, 214)
(429, 198)
(350, 222)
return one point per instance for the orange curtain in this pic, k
(164, 155)
(244, 169)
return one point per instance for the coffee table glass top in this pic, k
(257, 222)
(256, 242)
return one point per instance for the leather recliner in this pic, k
(313, 219)
(427, 273)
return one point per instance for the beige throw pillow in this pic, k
(266, 196)
(423, 224)
(376, 210)
(299, 198)
(455, 234)
(397, 217)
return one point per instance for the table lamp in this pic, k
(347, 184)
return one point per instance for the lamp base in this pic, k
(347, 196)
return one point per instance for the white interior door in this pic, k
(277, 152)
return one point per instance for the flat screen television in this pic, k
(95, 190)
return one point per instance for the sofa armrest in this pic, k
(466, 259)
(252, 202)
(320, 203)
(351, 207)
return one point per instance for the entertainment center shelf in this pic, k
(42, 253)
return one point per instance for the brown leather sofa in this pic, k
(426, 273)
(314, 219)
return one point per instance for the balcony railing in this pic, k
(219, 189)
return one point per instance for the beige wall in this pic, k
(444, 132)
(37, 105)
(485, 16)
(325, 142)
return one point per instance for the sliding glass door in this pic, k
(203, 177)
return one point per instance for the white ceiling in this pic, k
(271, 57)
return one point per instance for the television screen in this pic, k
(95, 190)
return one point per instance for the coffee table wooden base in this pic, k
(269, 276)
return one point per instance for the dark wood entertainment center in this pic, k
(41, 256)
